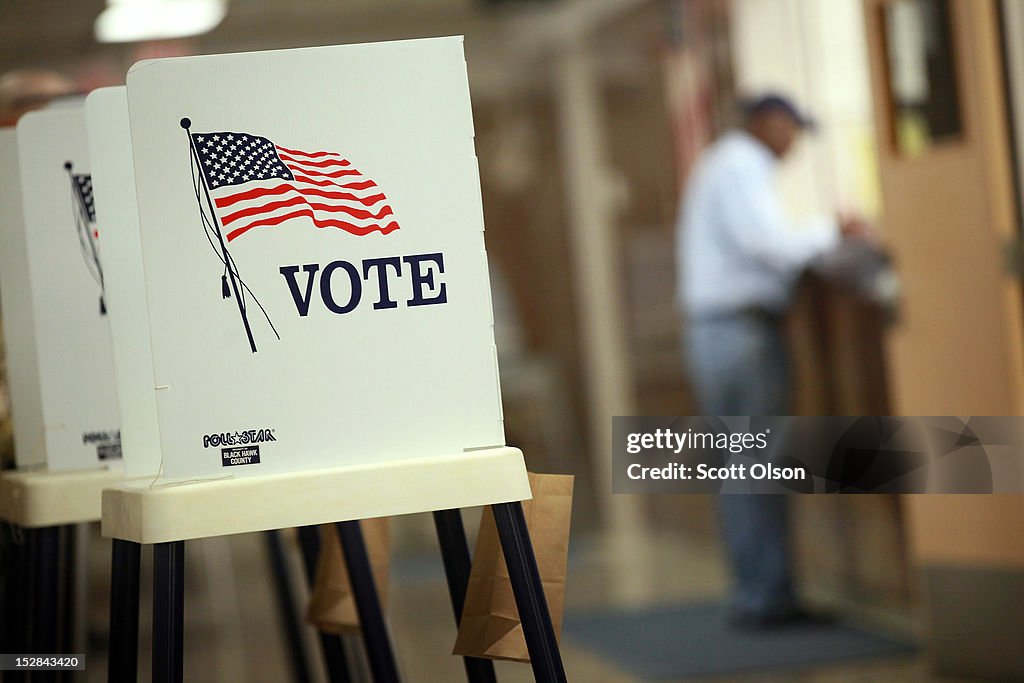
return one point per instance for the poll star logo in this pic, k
(107, 442)
(244, 182)
(83, 208)
(239, 437)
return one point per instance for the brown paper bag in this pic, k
(490, 625)
(332, 606)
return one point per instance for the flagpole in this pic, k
(84, 215)
(186, 124)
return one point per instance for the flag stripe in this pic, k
(348, 173)
(318, 222)
(315, 164)
(312, 155)
(358, 185)
(326, 168)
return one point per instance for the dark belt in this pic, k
(761, 314)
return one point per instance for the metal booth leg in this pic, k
(66, 608)
(46, 590)
(124, 612)
(18, 597)
(286, 606)
(333, 649)
(371, 618)
(451, 536)
(529, 593)
(68, 593)
(168, 611)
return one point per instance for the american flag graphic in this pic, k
(84, 209)
(256, 183)
(84, 183)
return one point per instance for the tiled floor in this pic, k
(233, 634)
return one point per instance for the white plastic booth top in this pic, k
(160, 511)
(40, 498)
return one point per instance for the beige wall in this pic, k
(815, 51)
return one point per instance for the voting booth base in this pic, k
(166, 514)
(43, 510)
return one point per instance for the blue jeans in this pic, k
(738, 365)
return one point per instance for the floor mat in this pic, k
(696, 640)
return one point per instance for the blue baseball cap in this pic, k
(766, 102)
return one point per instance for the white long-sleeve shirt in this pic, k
(736, 247)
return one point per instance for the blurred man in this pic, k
(739, 258)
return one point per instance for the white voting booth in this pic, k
(316, 287)
(22, 375)
(316, 311)
(77, 414)
(106, 114)
(64, 411)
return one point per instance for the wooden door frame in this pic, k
(979, 64)
(1012, 22)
